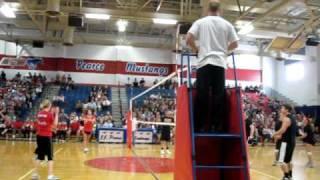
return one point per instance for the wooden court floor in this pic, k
(71, 162)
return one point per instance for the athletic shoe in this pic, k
(52, 177)
(35, 176)
(85, 150)
(286, 178)
(275, 163)
(310, 165)
(168, 152)
(162, 152)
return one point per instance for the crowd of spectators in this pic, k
(17, 97)
(66, 82)
(252, 89)
(262, 113)
(98, 100)
(260, 117)
(19, 94)
(153, 108)
(169, 84)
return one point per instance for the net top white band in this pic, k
(156, 123)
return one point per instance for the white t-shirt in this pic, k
(214, 35)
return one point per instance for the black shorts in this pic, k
(44, 148)
(309, 141)
(165, 137)
(286, 152)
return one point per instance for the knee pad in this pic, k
(309, 153)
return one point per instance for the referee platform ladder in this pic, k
(209, 156)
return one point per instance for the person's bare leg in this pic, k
(309, 153)
(35, 174)
(50, 168)
(163, 144)
(276, 153)
(168, 147)
(36, 165)
(285, 169)
(88, 139)
(84, 140)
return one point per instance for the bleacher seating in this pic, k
(259, 101)
(80, 92)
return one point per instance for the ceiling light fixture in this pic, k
(97, 16)
(7, 11)
(164, 21)
(122, 25)
(246, 29)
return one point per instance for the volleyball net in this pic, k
(148, 108)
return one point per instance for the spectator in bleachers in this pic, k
(79, 106)
(155, 82)
(62, 130)
(63, 117)
(18, 75)
(142, 83)
(3, 76)
(70, 82)
(74, 125)
(106, 104)
(100, 122)
(135, 83)
(58, 101)
(168, 84)
(108, 116)
(27, 129)
(108, 124)
(58, 80)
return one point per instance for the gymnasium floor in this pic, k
(146, 163)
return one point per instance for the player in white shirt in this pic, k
(216, 37)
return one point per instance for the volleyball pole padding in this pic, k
(129, 130)
(183, 153)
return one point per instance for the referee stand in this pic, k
(204, 156)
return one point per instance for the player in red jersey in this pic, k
(47, 120)
(89, 119)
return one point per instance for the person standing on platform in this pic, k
(216, 38)
(287, 134)
(47, 120)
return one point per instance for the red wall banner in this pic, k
(116, 67)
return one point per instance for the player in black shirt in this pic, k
(165, 131)
(308, 139)
(287, 134)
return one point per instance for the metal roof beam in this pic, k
(271, 11)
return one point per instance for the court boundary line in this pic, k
(145, 166)
(42, 163)
(264, 174)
